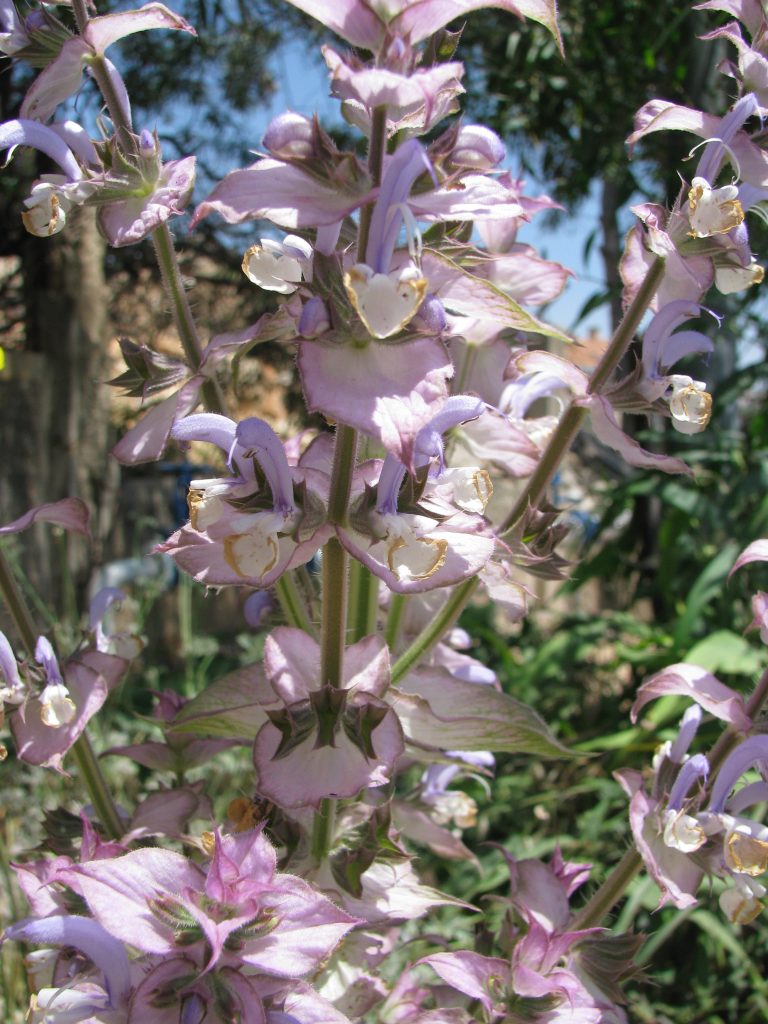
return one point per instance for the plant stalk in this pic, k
(609, 893)
(292, 603)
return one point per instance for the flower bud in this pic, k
(257, 608)
(314, 319)
(478, 147)
(289, 135)
(147, 143)
(431, 315)
(34, 21)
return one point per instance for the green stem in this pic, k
(625, 331)
(573, 418)
(341, 475)
(432, 633)
(363, 602)
(378, 145)
(82, 751)
(609, 893)
(394, 620)
(322, 830)
(17, 606)
(559, 443)
(170, 273)
(95, 783)
(334, 614)
(335, 559)
(292, 604)
(335, 562)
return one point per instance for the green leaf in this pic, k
(724, 651)
(706, 587)
(234, 706)
(437, 710)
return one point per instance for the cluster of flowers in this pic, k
(401, 326)
(685, 829)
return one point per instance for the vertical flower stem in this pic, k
(292, 604)
(363, 602)
(394, 619)
(322, 830)
(170, 272)
(334, 608)
(334, 614)
(335, 562)
(88, 766)
(96, 784)
(335, 559)
(17, 606)
(376, 148)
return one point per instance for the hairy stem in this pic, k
(170, 273)
(363, 602)
(609, 893)
(322, 830)
(376, 148)
(292, 603)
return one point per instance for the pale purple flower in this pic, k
(700, 686)
(106, 953)
(550, 369)
(390, 393)
(241, 532)
(46, 726)
(132, 201)
(63, 76)
(236, 911)
(416, 99)
(441, 539)
(366, 25)
(289, 135)
(12, 689)
(69, 513)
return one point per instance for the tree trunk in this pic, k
(54, 424)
